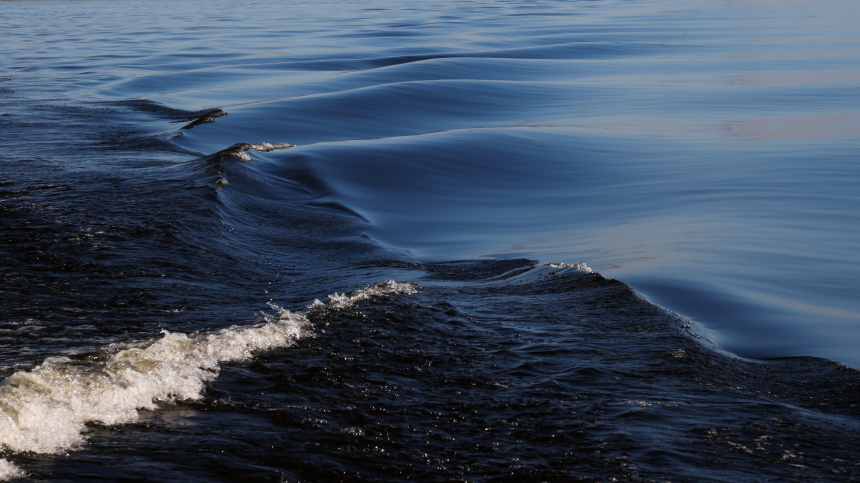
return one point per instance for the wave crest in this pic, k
(45, 410)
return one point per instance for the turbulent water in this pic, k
(492, 240)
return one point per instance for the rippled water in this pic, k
(210, 171)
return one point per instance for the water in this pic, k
(180, 185)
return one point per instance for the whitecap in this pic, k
(45, 409)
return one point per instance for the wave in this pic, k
(554, 51)
(581, 266)
(240, 150)
(46, 409)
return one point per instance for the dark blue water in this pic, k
(204, 209)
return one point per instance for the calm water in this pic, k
(204, 209)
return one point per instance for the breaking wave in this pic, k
(45, 410)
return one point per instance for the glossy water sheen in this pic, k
(703, 153)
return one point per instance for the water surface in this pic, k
(702, 154)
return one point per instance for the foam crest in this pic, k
(267, 147)
(388, 287)
(45, 410)
(9, 471)
(581, 266)
(241, 150)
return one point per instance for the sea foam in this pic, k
(581, 266)
(345, 300)
(45, 409)
(240, 150)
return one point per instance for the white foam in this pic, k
(577, 266)
(388, 287)
(240, 150)
(45, 409)
(8, 471)
(241, 155)
(268, 147)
